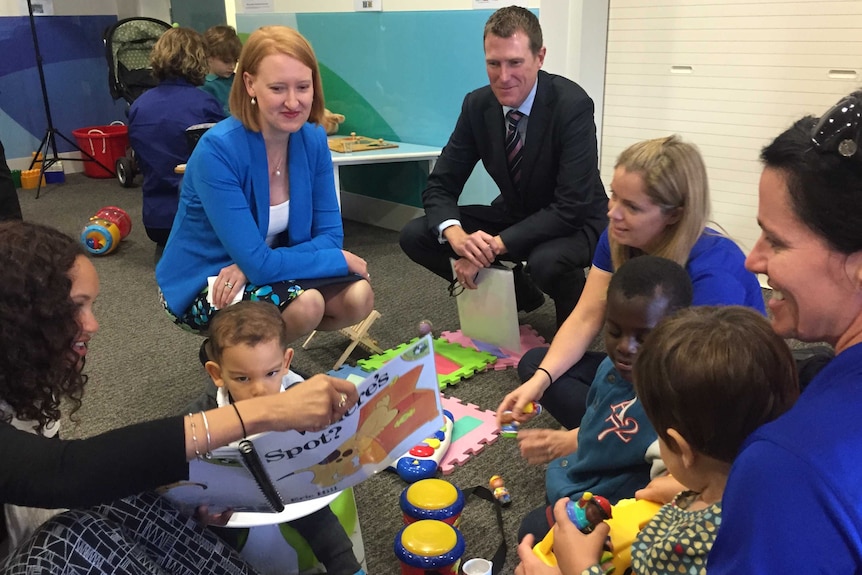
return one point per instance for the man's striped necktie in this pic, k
(514, 145)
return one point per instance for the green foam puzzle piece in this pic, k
(469, 360)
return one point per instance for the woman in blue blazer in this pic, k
(258, 215)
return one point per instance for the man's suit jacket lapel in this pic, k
(537, 126)
(497, 130)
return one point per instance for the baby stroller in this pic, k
(128, 44)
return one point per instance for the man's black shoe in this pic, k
(527, 296)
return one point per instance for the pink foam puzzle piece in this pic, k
(482, 431)
(530, 338)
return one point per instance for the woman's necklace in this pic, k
(277, 172)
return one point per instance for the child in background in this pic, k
(223, 47)
(707, 378)
(614, 436)
(248, 344)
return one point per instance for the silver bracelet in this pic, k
(194, 435)
(208, 453)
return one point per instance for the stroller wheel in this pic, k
(125, 172)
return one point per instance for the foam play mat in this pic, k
(454, 361)
(506, 358)
(475, 428)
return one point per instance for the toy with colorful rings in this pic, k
(119, 217)
(105, 230)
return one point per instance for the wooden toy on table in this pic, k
(354, 143)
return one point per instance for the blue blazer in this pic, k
(223, 214)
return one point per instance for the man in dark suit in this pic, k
(552, 206)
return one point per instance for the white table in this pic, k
(405, 152)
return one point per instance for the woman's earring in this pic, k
(253, 101)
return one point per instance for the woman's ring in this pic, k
(228, 285)
(343, 401)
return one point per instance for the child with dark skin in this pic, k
(613, 456)
(701, 370)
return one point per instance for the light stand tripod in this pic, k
(49, 142)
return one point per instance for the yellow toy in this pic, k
(628, 518)
(429, 545)
(432, 499)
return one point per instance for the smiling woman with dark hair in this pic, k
(46, 322)
(793, 501)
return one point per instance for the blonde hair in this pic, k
(263, 42)
(674, 175)
(180, 53)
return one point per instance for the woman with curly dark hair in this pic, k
(46, 322)
(37, 321)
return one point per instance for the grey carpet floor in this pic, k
(142, 367)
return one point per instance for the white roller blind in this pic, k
(728, 75)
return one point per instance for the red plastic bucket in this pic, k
(106, 144)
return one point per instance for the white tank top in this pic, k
(278, 216)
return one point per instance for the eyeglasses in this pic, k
(455, 288)
(839, 129)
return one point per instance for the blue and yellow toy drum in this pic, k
(429, 545)
(100, 236)
(432, 499)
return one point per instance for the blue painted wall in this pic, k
(399, 76)
(76, 77)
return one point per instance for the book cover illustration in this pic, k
(399, 405)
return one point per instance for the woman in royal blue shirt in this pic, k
(659, 205)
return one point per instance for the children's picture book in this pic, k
(399, 406)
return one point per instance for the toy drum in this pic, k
(100, 236)
(429, 545)
(432, 499)
(119, 217)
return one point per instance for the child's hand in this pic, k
(204, 517)
(662, 489)
(574, 550)
(542, 445)
(530, 562)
